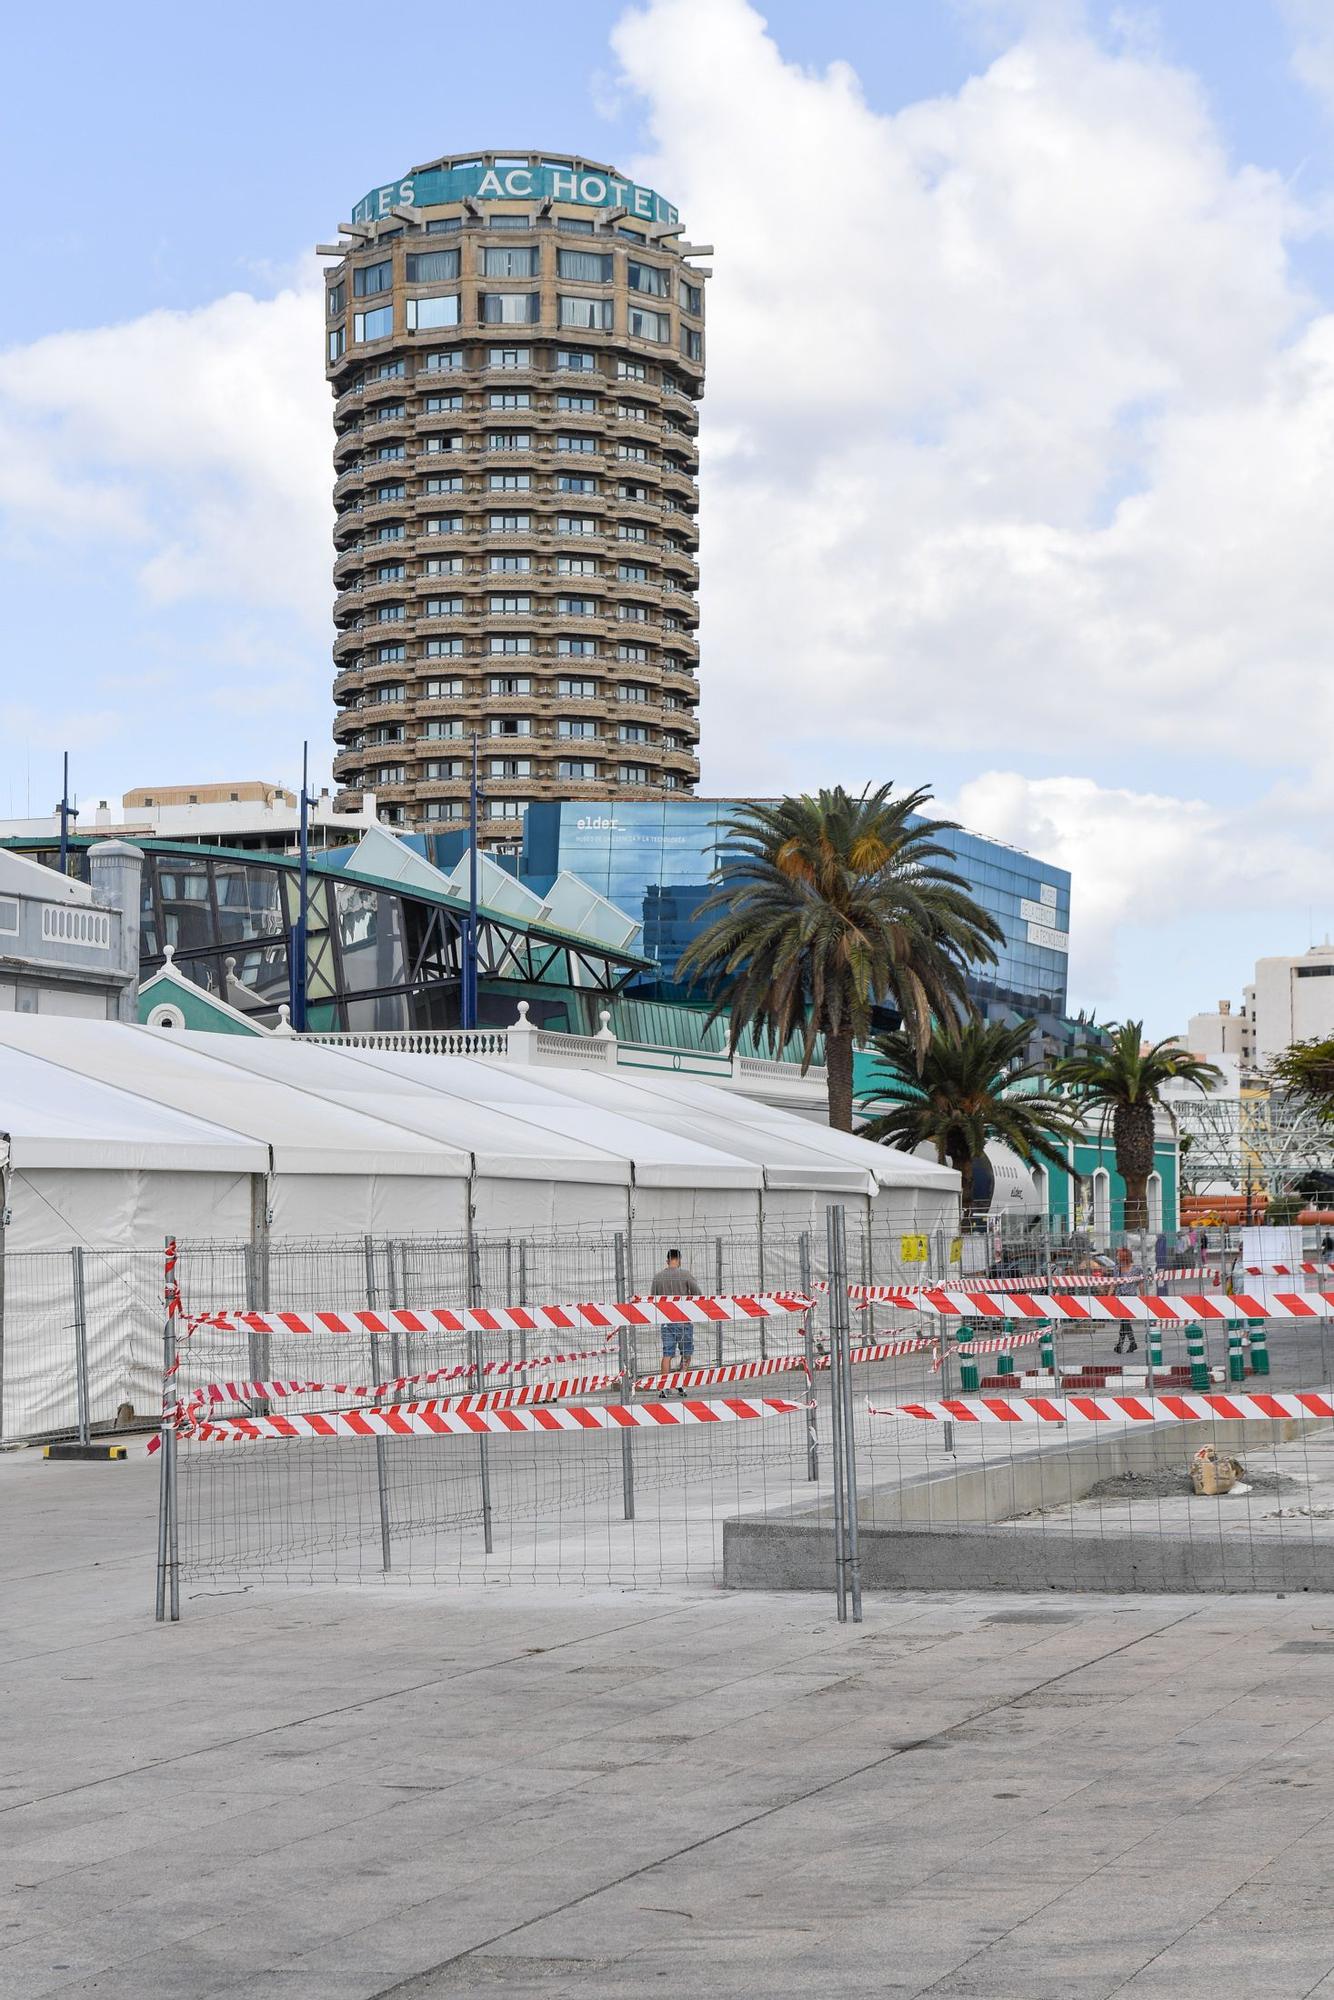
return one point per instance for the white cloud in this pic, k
(1018, 427)
(1312, 26)
(199, 441)
(1150, 859)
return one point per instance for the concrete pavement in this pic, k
(419, 1792)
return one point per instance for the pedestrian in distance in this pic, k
(673, 1281)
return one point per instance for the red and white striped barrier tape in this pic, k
(440, 1419)
(1110, 1409)
(1282, 1270)
(1141, 1306)
(581, 1317)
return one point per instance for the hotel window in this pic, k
(586, 267)
(382, 495)
(577, 648)
(644, 325)
(390, 531)
(509, 357)
(631, 691)
(442, 310)
(510, 524)
(577, 690)
(574, 482)
(510, 309)
(337, 300)
(630, 572)
(649, 278)
(626, 651)
(512, 565)
(509, 767)
(391, 774)
(574, 360)
(631, 371)
(440, 730)
(444, 524)
(633, 613)
(509, 482)
(509, 399)
(583, 731)
(443, 690)
(576, 566)
(692, 299)
(444, 441)
(443, 649)
(433, 267)
(632, 732)
(575, 441)
(637, 451)
(577, 524)
(633, 413)
(386, 413)
(585, 403)
(443, 809)
(631, 531)
(384, 654)
(373, 278)
(442, 769)
(444, 482)
(508, 604)
(440, 363)
(509, 440)
(499, 642)
(509, 221)
(506, 808)
(391, 572)
(509, 725)
(588, 313)
(390, 614)
(385, 452)
(377, 325)
(337, 342)
(435, 404)
(392, 691)
(442, 224)
(574, 225)
(692, 344)
(510, 260)
(670, 782)
(630, 489)
(582, 773)
(577, 607)
(633, 774)
(388, 371)
(444, 607)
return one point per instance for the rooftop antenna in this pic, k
(65, 816)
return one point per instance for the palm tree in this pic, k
(827, 906)
(973, 1086)
(1307, 1071)
(1125, 1079)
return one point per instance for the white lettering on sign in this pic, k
(1049, 940)
(1048, 895)
(593, 189)
(564, 187)
(490, 183)
(1035, 913)
(513, 178)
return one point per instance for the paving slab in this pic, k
(347, 1794)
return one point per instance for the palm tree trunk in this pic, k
(962, 1161)
(838, 1065)
(1132, 1136)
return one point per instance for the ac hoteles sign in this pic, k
(588, 187)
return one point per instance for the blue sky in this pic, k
(1048, 591)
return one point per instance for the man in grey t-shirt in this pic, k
(673, 1281)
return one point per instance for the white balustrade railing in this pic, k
(67, 923)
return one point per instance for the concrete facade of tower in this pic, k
(515, 345)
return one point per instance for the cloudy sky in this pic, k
(1018, 441)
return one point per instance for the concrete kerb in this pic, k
(961, 1527)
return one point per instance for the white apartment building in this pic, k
(1290, 1000)
(1221, 1033)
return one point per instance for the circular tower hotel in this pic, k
(515, 344)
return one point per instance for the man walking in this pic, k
(673, 1281)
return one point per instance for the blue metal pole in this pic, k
(468, 996)
(297, 970)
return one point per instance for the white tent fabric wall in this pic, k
(119, 1136)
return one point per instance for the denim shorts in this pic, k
(674, 1336)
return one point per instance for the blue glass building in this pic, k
(654, 858)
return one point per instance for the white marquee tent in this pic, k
(114, 1137)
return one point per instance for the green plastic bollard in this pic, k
(1259, 1346)
(1047, 1348)
(1236, 1360)
(970, 1380)
(1199, 1366)
(1005, 1362)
